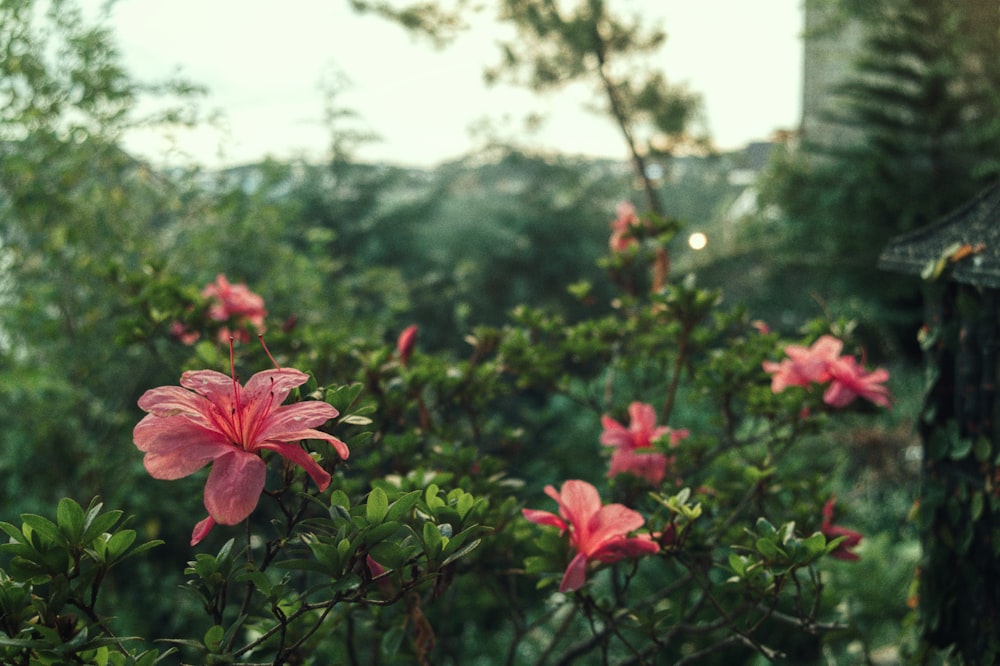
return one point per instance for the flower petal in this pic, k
(234, 486)
(577, 503)
(175, 447)
(648, 466)
(173, 401)
(642, 417)
(576, 574)
(615, 434)
(296, 454)
(201, 530)
(544, 518)
(612, 521)
(340, 447)
(278, 383)
(215, 386)
(620, 548)
(294, 418)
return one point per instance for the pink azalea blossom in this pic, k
(179, 331)
(626, 218)
(843, 551)
(822, 363)
(235, 303)
(804, 365)
(849, 381)
(596, 532)
(405, 343)
(641, 432)
(211, 418)
(649, 466)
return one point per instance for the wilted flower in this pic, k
(211, 418)
(596, 532)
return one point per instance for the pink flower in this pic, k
(213, 419)
(649, 466)
(822, 363)
(235, 303)
(179, 331)
(849, 381)
(621, 237)
(851, 538)
(640, 434)
(595, 532)
(404, 344)
(804, 365)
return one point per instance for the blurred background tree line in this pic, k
(366, 249)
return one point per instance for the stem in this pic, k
(675, 378)
(661, 265)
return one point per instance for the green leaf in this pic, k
(303, 565)
(738, 564)
(976, 505)
(815, 545)
(213, 638)
(432, 540)
(464, 504)
(981, 449)
(390, 554)
(766, 529)
(431, 497)
(768, 548)
(97, 524)
(120, 542)
(960, 448)
(381, 532)
(70, 518)
(461, 552)
(402, 506)
(13, 533)
(377, 507)
(342, 397)
(44, 528)
(326, 554)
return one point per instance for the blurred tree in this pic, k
(557, 45)
(922, 104)
(435, 20)
(509, 232)
(78, 217)
(76, 212)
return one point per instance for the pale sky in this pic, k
(264, 61)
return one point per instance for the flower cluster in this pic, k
(822, 363)
(629, 454)
(596, 532)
